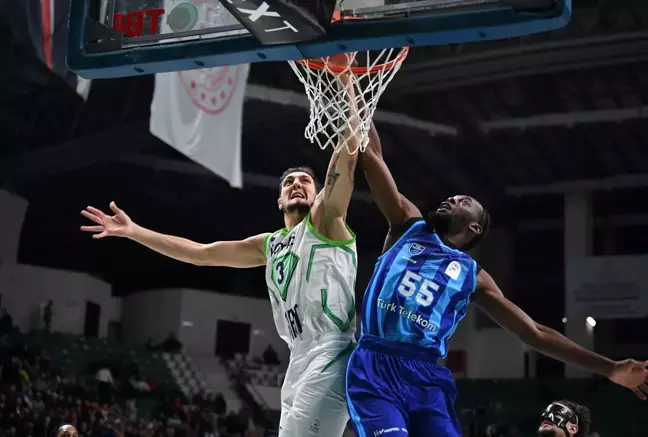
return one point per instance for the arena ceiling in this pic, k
(570, 106)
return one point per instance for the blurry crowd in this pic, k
(36, 398)
(487, 421)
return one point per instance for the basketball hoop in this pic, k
(330, 106)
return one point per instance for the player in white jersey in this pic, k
(310, 274)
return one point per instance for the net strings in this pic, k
(330, 107)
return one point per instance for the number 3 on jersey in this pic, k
(283, 268)
(414, 283)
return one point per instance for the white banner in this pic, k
(199, 112)
(607, 287)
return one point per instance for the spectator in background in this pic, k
(220, 406)
(171, 344)
(105, 384)
(47, 315)
(6, 323)
(44, 362)
(270, 356)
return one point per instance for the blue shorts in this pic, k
(399, 390)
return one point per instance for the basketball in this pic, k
(340, 60)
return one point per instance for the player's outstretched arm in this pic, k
(332, 203)
(241, 254)
(396, 208)
(628, 373)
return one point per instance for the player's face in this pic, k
(557, 421)
(460, 205)
(298, 192)
(549, 429)
(459, 211)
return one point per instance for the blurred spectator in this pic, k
(35, 402)
(270, 356)
(47, 315)
(105, 385)
(171, 344)
(6, 323)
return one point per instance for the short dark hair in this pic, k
(584, 417)
(303, 168)
(485, 223)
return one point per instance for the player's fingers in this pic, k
(113, 207)
(96, 211)
(639, 394)
(91, 216)
(92, 228)
(98, 236)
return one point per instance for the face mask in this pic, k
(560, 415)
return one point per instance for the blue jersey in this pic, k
(419, 291)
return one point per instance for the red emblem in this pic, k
(211, 89)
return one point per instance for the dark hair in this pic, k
(485, 223)
(303, 168)
(584, 417)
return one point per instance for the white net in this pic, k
(331, 103)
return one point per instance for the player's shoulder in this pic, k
(397, 234)
(278, 240)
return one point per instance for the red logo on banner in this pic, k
(211, 89)
(132, 23)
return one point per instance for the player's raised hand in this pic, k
(118, 225)
(633, 375)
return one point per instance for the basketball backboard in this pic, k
(117, 38)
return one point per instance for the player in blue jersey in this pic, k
(417, 295)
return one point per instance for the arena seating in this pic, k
(263, 381)
(495, 408)
(76, 353)
(52, 375)
(189, 379)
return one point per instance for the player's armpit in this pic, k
(396, 208)
(490, 299)
(241, 254)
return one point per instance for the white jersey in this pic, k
(311, 282)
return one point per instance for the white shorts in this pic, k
(313, 395)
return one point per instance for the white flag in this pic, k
(83, 87)
(199, 113)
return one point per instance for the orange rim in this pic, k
(319, 64)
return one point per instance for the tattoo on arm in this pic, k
(333, 176)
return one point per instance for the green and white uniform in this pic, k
(311, 282)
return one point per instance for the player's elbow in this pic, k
(533, 335)
(204, 255)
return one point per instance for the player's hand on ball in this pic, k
(118, 225)
(633, 375)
